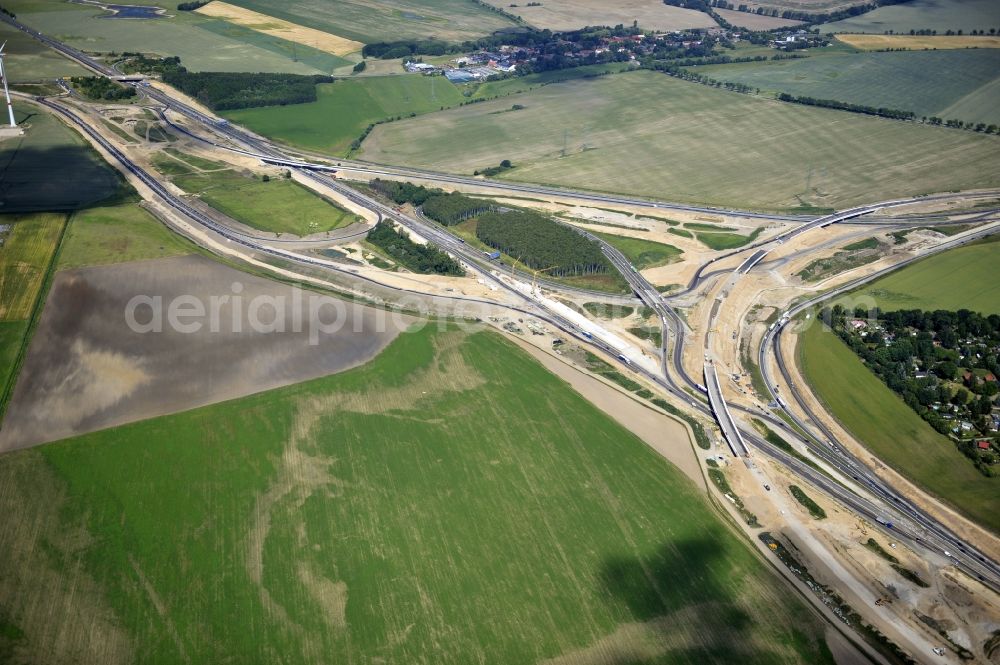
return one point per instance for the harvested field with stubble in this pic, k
(753, 21)
(86, 369)
(449, 502)
(387, 20)
(918, 42)
(962, 84)
(940, 15)
(573, 14)
(722, 148)
(317, 39)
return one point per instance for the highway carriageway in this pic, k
(937, 536)
(240, 136)
(850, 499)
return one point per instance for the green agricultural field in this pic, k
(292, 52)
(962, 84)
(280, 206)
(29, 245)
(887, 426)
(959, 278)
(387, 20)
(642, 253)
(344, 109)
(648, 134)
(400, 512)
(27, 59)
(940, 15)
(51, 167)
(201, 42)
(518, 84)
(126, 232)
(25, 256)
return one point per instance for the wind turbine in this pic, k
(6, 92)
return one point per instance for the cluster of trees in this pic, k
(541, 243)
(191, 6)
(137, 62)
(454, 208)
(403, 192)
(945, 345)
(418, 258)
(222, 91)
(505, 165)
(404, 49)
(4, 10)
(98, 87)
(444, 208)
(881, 111)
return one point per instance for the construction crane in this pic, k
(513, 264)
(534, 277)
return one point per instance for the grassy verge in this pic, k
(814, 508)
(280, 206)
(720, 241)
(719, 480)
(777, 441)
(606, 311)
(653, 334)
(642, 253)
(700, 436)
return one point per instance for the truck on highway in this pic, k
(625, 360)
(884, 522)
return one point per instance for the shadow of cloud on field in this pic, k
(686, 612)
(55, 179)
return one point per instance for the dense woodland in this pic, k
(418, 258)
(222, 91)
(943, 364)
(444, 208)
(98, 87)
(541, 243)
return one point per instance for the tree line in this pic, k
(418, 258)
(222, 91)
(541, 243)
(881, 111)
